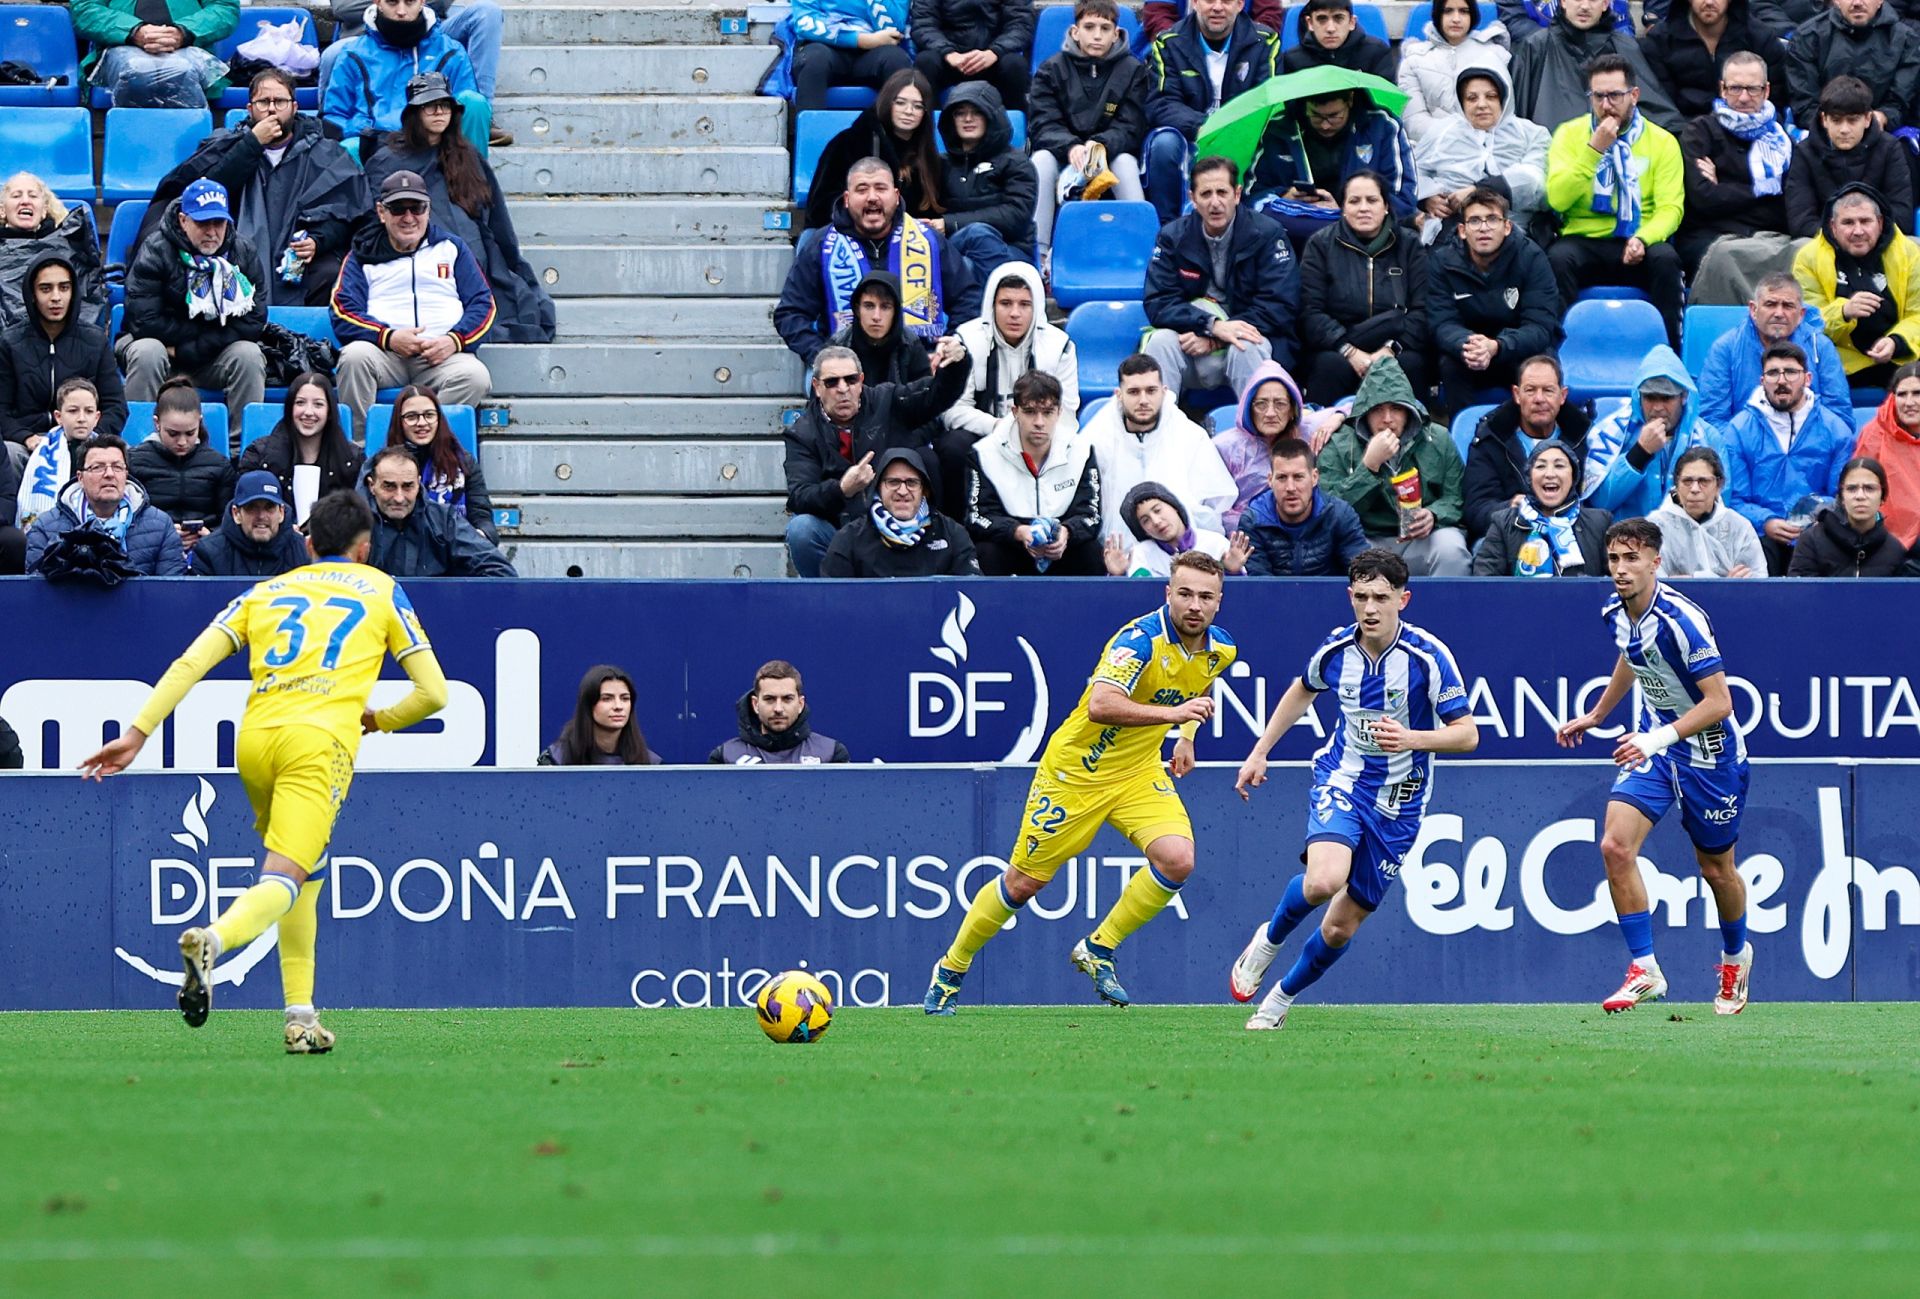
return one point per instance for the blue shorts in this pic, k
(1712, 799)
(1379, 843)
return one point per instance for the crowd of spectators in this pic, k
(1318, 311)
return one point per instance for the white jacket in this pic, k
(1710, 549)
(1150, 559)
(1020, 493)
(1046, 347)
(1453, 155)
(1430, 68)
(1176, 453)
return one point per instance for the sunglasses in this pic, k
(407, 207)
(839, 381)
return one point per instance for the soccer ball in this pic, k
(794, 1007)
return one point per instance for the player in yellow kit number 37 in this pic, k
(1103, 766)
(316, 637)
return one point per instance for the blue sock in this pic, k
(1637, 928)
(1316, 958)
(1733, 936)
(1293, 908)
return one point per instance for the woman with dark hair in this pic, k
(1892, 438)
(1549, 533)
(602, 732)
(1849, 538)
(468, 201)
(308, 450)
(1363, 295)
(449, 473)
(905, 142)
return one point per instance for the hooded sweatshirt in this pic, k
(1775, 457)
(1076, 99)
(996, 363)
(892, 359)
(991, 182)
(1006, 489)
(1430, 73)
(34, 365)
(1151, 557)
(1898, 451)
(73, 236)
(1359, 52)
(1175, 452)
(1454, 155)
(1828, 277)
(1709, 547)
(1621, 477)
(1425, 446)
(796, 745)
(1245, 452)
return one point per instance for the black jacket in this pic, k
(32, 366)
(157, 295)
(339, 465)
(433, 541)
(898, 359)
(473, 499)
(1496, 469)
(1358, 53)
(890, 416)
(197, 485)
(1831, 548)
(1778, 17)
(863, 138)
(1885, 53)
(1819, 170)
(229, 552)
(1495, 555)
(1075, 99)
(943, 27)
(1463, 300)
(1348, 296)
(1265, 280)
(797, 744)
(1680, 60)
(944, 550)
(800, 317)
(994, 183)
(1727, 206)
(1179, 92)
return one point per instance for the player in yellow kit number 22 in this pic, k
(1103, 766)
(316, 637)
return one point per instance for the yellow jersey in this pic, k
(318, 636)
(1146, 659)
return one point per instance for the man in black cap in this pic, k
(900, 534)
(253, 540)
(411, 305)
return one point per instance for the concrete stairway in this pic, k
(648, 184)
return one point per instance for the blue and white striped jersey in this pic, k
(1414, 682)
(1671, 649)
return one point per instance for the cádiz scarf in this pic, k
(911, 254)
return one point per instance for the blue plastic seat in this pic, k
(260, 417)
(1863, 415)
(460, 419)
(1100, 251)
(1607, 339)
(1222, 418)
(252, 19)
(1050, 30)
(854, 97)
(314, 322)
(1104, 334)
(1465, 423)
(1089, 409)
(1702, 327)
(55, 144)
(120, 240)
(212, 414)
(1371, 20)
(40, 36)
(144, 144)
(1612, 293)
(811, 135)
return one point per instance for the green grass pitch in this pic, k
(1368, 1151)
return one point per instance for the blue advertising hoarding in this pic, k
(671, 887)
(941, 671)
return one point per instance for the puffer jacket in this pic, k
(432, 541)
(152, 546)
(1430, 73)
(1884, 52)
(157, 295)
(1351, 296)
(1320, 545)
(33, 366)
(1076, 98)
(197, 485)
(229, 552)
(994, 182)
(368, 88)
(995, 364)
(1830, 547)
(1003, 492)
(1497, 460)
(1426, 446)
(943, 27)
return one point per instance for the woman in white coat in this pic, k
(1449, 43)
(1487, 144)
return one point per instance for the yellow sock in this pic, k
(253, 911)
(297, 930)
(1143, 898)
(988, 913)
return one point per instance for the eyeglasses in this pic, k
(1609, 96)
(113, 471)
(1688, 480)
(419, 417)
(1782, 372)
(273, 103)
(909, 106)
(406, 208)
(839, 380)
(1331, 113)
(1272, 405)
(1482, 222)
(899, 484)
(1728, 88)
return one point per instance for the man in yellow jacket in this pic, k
(1619, 185)
(1863, 276)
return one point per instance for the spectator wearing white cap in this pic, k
(255, 539)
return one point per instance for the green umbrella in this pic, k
(1233, 130)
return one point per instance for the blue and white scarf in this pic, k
(216, 289)
(1769, 147)
(116, 524)
(1550, 548)
(1616, 181)
(895, 532)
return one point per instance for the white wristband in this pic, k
(1659, 739)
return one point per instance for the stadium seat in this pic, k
(1863, 415)
(1104, 334)
(125, 229)
(140, 422)
(854, 97)
(1606, 342)
(55, 144)
(1605, 407)
(1092, 408)
(811, 135)
(260, 418)
(1612, 293)
(1371, 20)
(314, 322)
(1465, 423)
(144, 144)
(1222, 418)
(40, 36)
(1700, 328)
(459, 418)
(252, 19)
(1100, 251)
(1050, 30)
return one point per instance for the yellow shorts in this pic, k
(296, 777)
(1061, 819)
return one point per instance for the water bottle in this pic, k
(291, 268)
(1040, 538)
